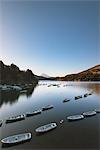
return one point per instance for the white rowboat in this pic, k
(66, 100)
(47, 107)
(78, 97)
(16, 118)
(16, 138)
(85, 95)
(97, 110)
(89, 113)
(33, 113)
(75, 117)
(46, 128)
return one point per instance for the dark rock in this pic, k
(13, 75)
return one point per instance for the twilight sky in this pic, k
(52, 37)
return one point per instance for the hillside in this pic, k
(92, 74)
(13, 75)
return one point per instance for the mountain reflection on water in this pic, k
(12, 97)
(93, 86)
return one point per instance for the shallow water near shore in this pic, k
(82, 134)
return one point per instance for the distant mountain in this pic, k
(13, 75)
(44, 78)
(45, 75)
(92, 74)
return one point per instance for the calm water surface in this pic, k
(83, 134)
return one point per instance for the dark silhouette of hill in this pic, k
(13, 75)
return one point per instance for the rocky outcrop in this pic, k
(13, 75)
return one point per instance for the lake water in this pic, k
(83, 134)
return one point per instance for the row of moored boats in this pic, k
(28, 114)
(20, 138)
(85, 95)
(78, 97)
(84, 114)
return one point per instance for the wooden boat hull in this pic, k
(86, 95)
(78, 97)
(66, 100)
(33, 113)
(97, 110)
(16, 139)
(89, 113)
(46, 128)
(15, 119)
(75, 117)
(90, 94)
(47, 108)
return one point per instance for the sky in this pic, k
(52, 37)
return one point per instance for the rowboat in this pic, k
(46, 128)
(97, 110)
(75, 117)
(15, 139)
(89, 113)
(85, 95)
(47, 107)
(28, 114)
(90, 94)
(66, 100)
(78, 97)
(16, 118)
(0, 123)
